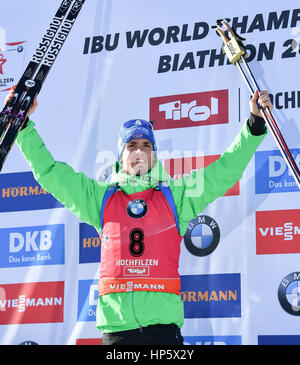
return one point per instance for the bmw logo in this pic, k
(202, 236)
(28, 343)
(289, 293)
(137, 208)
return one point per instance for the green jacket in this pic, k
(83, 197)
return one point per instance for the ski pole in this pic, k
(236, 53)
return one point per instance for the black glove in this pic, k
(256, 125)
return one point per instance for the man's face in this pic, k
(138, 156)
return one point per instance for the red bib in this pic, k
(140, 244)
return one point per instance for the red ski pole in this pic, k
(235, 52)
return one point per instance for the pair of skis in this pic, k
(14, 113)
(235, 50)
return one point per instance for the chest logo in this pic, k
(137, 208)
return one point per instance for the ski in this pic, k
(235, 50)
(10, 107)
(14, 114)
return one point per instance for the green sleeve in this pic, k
(78, 193)
(194, 192)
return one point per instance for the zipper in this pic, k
(134, 313)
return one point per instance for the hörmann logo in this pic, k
(215, 295)
(19, 191)
(89, 244)
(277, 231)
(189, 110)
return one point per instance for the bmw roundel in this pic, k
(202, 236)
(137, 208)
(289, 293)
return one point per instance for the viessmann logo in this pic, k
(278, 231)
(32, 303)
(189, 110)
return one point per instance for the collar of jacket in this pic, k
(132, 184)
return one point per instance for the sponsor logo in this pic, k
(89, 244)
(11, 63)
(27, 343)
(136, 267)
(138, 270)
(202, 236)
(277, 231)
(30, 83)
(279, 340)
(32, 246)
(212, 340)
(130, 286)
(58, 41)
(189, 110)
(76, 7)
(286, 99)
(272, 174)
(88, 341)
(20, 191)
(32, 303)
(47, 39)
(181, 167)
(65, 5)
(88, 294)
(211, 296)
(137, 208)
(289, 293)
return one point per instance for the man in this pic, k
(141, 217)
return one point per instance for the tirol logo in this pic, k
(189, 110)
(137, 208)
(89, 244)
(211, 296)
(272, 174)
(277, 231)
(11, 63)
(181, 167)
(20, 191)
(202, 236)
(32, 303)
(88, 294)
(289, 293)
(31, 246)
